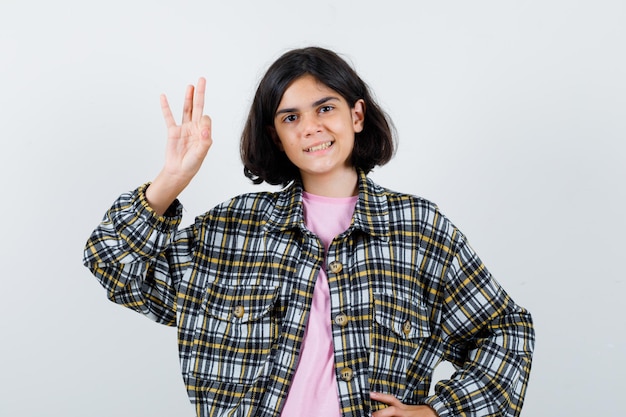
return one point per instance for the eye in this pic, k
(290, 118)
(326, 109)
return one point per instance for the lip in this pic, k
(320, 146)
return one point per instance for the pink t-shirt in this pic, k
(313, 390)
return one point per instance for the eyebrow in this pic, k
(315, 104)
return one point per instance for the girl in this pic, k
(331, 297)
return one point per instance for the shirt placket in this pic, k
(350, 361)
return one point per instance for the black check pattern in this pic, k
(238, 284)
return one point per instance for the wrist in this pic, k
(162, 192)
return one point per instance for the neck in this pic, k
(343, 184)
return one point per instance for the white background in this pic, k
(511, 117)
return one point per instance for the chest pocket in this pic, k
(406, 319)
(400, 328)
(235, 333)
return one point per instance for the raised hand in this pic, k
(187, 146)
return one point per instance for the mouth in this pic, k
(320, 147)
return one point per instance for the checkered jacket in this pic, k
(406, 292)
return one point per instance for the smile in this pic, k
(320, 147)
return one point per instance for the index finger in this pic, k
(385, 398)
(198, 100)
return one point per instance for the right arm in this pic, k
(136, 252)
(139, 257)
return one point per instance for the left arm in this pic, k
(489, 338)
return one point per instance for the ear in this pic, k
(358, 115)
(272, 132)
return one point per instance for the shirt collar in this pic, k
(371, 214)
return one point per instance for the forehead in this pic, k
(306, 90)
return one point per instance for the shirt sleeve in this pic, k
(139, 257)
(490, 342)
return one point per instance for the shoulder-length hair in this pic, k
(264, 161)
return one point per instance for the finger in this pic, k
(385, 399)
(188, 104)
(167, 112)
(205, 127)
(390, 400)
(198, 100)
(385, 412)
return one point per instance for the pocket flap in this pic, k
(239, 304)
(406, 318)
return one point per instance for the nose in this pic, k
(310, 124)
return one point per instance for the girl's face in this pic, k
(315, 127)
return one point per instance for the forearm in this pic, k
(164, 190)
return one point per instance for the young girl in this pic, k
(331, 297)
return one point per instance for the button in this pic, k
(406, 327)
(341, 320)
(335, 267)
(238, 311)
(346, 374)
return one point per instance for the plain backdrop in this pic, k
(511, 116)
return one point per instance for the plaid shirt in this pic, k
(406, 290)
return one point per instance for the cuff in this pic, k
(170, 219)
(438, 405)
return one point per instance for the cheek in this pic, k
(282, 139)
(289, 146)
(343, 125)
